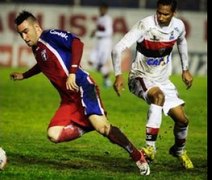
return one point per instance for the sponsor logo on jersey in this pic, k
(61, 34)
(160, 61)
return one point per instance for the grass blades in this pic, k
(26, 108)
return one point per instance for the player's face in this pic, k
(164, 14)
(29, 31)
(102, 11)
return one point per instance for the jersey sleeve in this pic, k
(66, 42)
(77, 50)
(31, 72)
(183, 48)
(127, 41)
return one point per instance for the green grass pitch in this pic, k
(26, 108)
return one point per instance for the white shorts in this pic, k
(140, 86)
(100, 55)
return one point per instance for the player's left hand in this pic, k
(71, 82)
(187, 78)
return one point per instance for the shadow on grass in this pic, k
(76, 162)
(85, 161)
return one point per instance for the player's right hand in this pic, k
(71, 83)
(16, 76)
(118, 84)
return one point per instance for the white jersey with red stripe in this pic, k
(100, 54)
(104, 27)
(153, 49)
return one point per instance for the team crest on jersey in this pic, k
(171, 35)
(161, 50)
(155, 38)
(44, 55)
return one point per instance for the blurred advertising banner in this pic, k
(81, 21)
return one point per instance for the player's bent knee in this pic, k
(161, 99)
(54, 133)
(183, 123)
(100, 123)
(104, 129)
(182, 120)
(157, 97)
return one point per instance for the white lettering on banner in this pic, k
(81, 21)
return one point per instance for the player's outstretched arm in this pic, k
(31, 72)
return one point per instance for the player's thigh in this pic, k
(69, 113)
(63, 115)
(100, 123)
(140, 87)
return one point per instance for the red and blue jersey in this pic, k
(58, 53)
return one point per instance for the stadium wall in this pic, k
(81, 21)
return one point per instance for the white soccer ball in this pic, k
(3, 159)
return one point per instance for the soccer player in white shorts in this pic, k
(168, 88)
(155, 37)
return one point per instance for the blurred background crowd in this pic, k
(79, 16)
(191, 5)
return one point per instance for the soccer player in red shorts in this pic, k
(58, 55)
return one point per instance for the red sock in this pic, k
(151, 134)
(117, 137)
(136, 155)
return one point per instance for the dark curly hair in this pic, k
(172, 3)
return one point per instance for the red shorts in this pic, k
(69, 113)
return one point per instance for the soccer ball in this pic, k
(3, 159)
